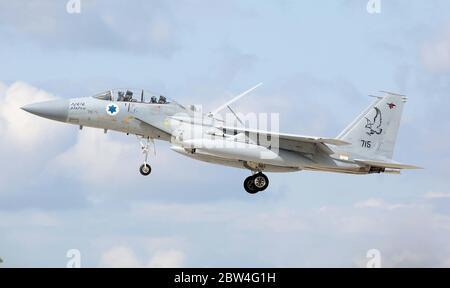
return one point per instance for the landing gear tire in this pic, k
(256, 183)
(249, 185)
(261, 181)
(145, 169)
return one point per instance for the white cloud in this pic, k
(436, 53)
(26, 139)
(97, 158)
(167, 259)
(125, 257)
(3, 88)
(18, 127)
(119, 257)
(28, 218)
(436, 195)
(378, 203)
(182, 212)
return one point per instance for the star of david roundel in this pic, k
(112, 109)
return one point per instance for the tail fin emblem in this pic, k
(374, 127)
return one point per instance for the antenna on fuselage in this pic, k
(217, 110)
(227, 105)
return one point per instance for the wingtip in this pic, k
(334, 141)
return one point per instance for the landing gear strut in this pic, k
(256, 183)
(145, 168)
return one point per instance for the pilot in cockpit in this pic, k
(128, 96)
(153, 100)
(162, 100)
(120, 96)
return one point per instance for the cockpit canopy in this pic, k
(132, 95)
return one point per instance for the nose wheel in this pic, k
(145, 169)
(256, 183)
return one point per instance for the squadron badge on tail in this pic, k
(374, 127)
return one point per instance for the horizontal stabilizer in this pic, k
(386, 164)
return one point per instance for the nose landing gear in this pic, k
(145, 168)
(256, 183)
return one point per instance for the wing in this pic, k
(298, 143)
(386, 164)
(156, 129)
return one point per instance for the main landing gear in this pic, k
(256, 183)
(145, 168)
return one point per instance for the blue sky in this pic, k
(61, 188)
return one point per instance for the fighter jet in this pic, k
(366, 146)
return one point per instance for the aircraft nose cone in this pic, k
(55, 109)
